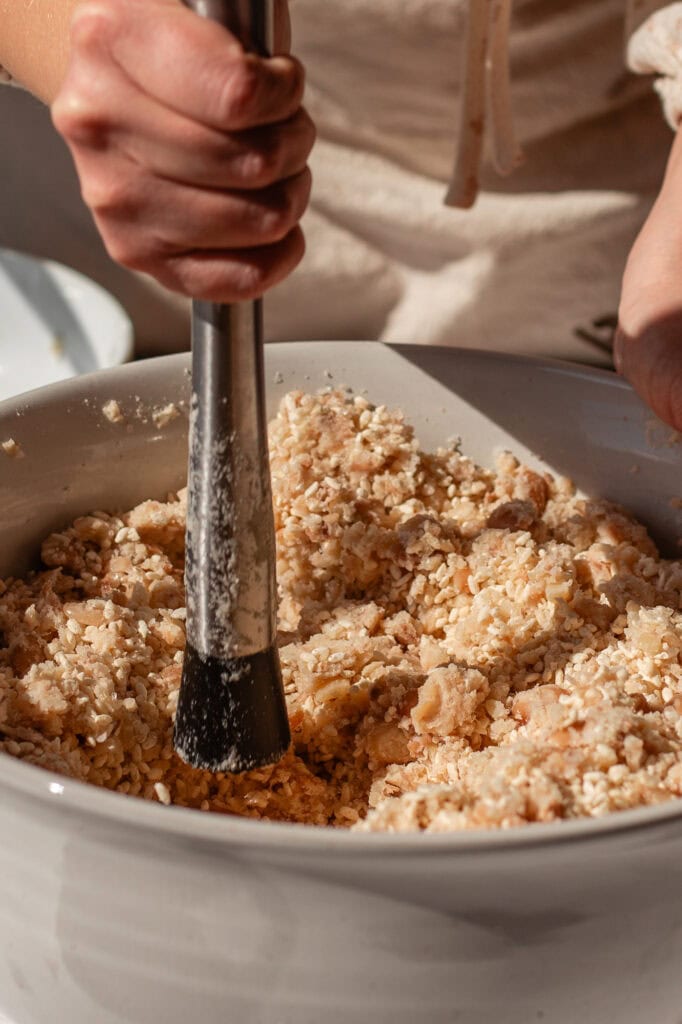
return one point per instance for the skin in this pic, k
(34, 42)
(648, 347)
(192, 155)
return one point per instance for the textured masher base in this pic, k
(231, 713)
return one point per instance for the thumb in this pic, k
(652, 363)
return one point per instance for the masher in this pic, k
(231, 712)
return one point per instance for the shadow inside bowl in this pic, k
(580, 422)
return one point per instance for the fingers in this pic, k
(648, 343)
(178, 149)
(185, 152)
(146, 220)
(189, 64)
(231, 276)
(100, 107)
(192, 155)
(652, 362)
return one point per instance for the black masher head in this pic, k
(231, 712)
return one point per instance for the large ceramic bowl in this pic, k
(113, 910)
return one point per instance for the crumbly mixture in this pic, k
(113, 412)
(461, 648)
(12, 449)
(165, 414)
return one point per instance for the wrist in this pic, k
(34, 43)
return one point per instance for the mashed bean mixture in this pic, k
(461, 648)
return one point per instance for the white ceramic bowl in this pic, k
(55, 323)
(114, 910)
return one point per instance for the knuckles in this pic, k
(283, 208)
(93, 23)
(239, 93)
(258, 168)
(244, 89)
(231, 281)
(144, 253)
(111, 195)
(78, 120)
(81, 111)
(276, 220)
(250, 279)
(290, 145)
(236, 278)
(127, 254)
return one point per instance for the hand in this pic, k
(192, 155)
(648, 344)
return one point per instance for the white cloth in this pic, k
(542, 251)
(656, 47)
(539, 255)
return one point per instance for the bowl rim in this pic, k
(64, 794)
(71, 795)
(69, 387)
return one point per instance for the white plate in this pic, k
(55, 323)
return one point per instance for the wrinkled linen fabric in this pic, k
(535, 265)
(656, 48)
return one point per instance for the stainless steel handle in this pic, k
(229, 518)
(251, 21)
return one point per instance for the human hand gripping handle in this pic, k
(192, 154)
(231, 710)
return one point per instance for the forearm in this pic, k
(34, 42)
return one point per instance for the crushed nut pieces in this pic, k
(461, 648)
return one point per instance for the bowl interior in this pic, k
(114, 438)
(78, 452)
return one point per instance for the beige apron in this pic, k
(414, 108)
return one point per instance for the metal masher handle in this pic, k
(230, 571)
(252, 22)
